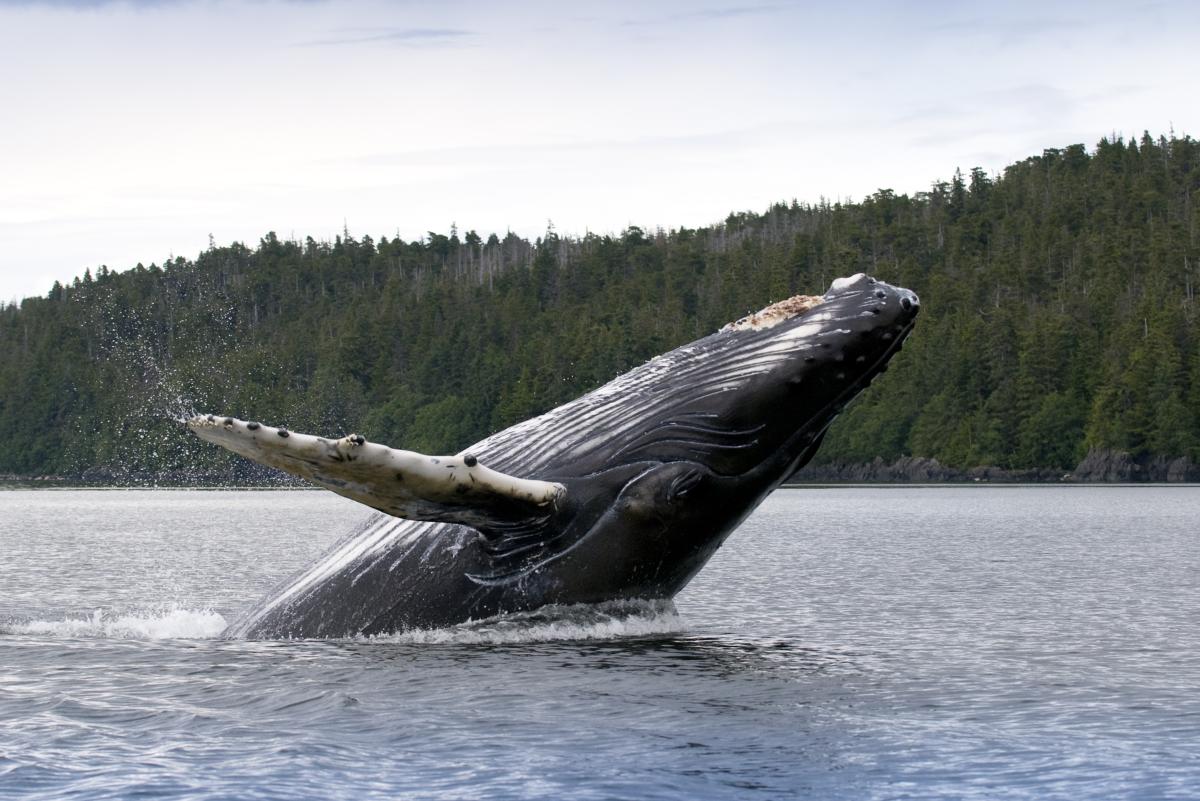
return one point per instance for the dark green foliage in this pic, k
(1059, 315)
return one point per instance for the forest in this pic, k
(1058, 299)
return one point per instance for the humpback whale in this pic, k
(623, 493)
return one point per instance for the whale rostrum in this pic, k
(623, 493)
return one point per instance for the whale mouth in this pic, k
(776, 313)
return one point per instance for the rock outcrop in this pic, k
(1118, 466)
(1099, 466)
(906, 469)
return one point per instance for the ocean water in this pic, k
(848, 643)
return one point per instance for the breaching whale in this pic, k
(623, 493)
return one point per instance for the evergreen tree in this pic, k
(1059, 314)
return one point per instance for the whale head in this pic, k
(668, 458)
(795, 365)
(756, 395)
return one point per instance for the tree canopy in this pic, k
(1058, 315)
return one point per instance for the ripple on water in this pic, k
(973, 643)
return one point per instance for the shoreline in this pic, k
(1098, 467)
(8, 485)
(814, 485)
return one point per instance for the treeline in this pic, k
(1058, 301)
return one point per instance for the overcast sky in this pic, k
(130, 131)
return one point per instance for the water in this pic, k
(867, 643)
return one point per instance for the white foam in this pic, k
(608, 621)
(556, 623)
(164, 624)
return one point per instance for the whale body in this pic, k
(623, 493)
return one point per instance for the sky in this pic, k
(133, 130)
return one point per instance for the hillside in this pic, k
(1058, 298)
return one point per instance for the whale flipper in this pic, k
(444, 489)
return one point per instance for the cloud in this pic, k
(403, 37)
(1012, 30)
(81, 5)
(708, 14)
(503, 153)
(90, 5)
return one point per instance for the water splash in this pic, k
(607, 621)
(162, 624)
(157, 373)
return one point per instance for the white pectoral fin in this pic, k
(453, 489)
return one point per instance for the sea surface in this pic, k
(846, 643)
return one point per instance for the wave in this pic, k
(160, 624)
(606, 621)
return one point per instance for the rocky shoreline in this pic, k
(241, 475)
(1098, 467)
